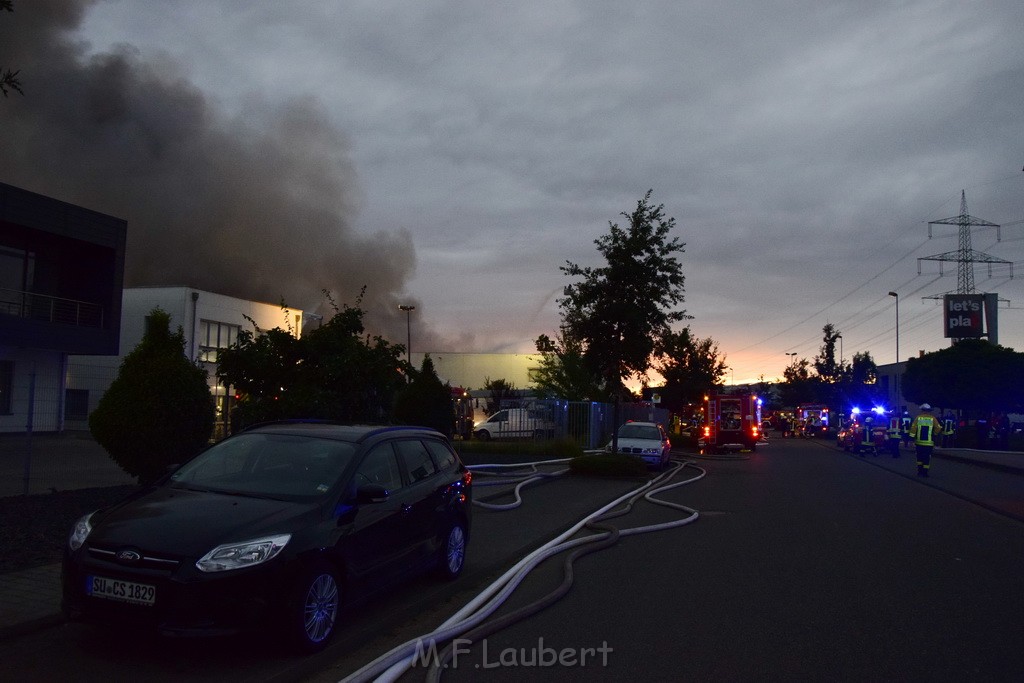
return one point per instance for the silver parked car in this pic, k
(646, 440)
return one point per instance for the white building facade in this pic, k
(209, 322)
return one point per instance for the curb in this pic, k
(31, 626)
(1011, 469)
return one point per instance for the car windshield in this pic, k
(283, 466)
(632, 431)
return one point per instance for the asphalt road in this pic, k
(805, 564)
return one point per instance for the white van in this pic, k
(515, 423)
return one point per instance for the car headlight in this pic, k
(246, 554)
(80, 531)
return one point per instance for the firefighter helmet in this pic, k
(926, 407)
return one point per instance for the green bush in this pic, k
(609, 464)
(333, 372)
(426, 401)
(159, 410)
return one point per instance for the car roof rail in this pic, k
(383, 429)
(367, 430)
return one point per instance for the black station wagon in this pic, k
(277, 526)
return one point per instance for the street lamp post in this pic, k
(896, 381)
(840, 338)
(408, 331)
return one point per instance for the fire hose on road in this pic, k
(471, 619)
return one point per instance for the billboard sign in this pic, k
(962, 315)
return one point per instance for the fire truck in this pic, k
(868, 432)
(811, 419)
(732, 422)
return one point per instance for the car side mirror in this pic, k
(371, 493)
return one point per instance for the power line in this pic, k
(848, 294)
(963, 219)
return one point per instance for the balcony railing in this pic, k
(50, 308)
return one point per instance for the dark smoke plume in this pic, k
(259, 207)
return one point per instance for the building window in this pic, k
(17, 271)
(214, 336)
(76, 404)
(6, 379)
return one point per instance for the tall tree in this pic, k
(501, 390)
(333, 372)
(562, 371)
(825, 363)
(860, 386)
(690, 366)
(863, 369)
(159, 410)
(620, 312)
(972, 374)
(426, 400)
(799, 385)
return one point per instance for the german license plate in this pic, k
(122, 591)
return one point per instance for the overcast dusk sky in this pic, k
(453, 155)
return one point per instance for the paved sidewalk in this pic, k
(1006, 461)
(55, 462)
(30, 598)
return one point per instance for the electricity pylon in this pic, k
(964, 256)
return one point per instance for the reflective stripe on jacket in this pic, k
(924, 429)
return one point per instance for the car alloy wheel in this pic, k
(315, 612)
(453, 551)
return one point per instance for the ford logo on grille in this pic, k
(128, 556)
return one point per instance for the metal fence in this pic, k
(46, 463)
(51, 449)
(589, 424)
(50, 308)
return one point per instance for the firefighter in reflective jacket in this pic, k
(948, 430)
(893, 435)
(905, 427)
(923, 430)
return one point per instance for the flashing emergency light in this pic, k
(878, 410)
(855, 411)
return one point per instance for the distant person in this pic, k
(923, 430)
(949, 430)
(905, 425)
(893, 436)
(1003, 432)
